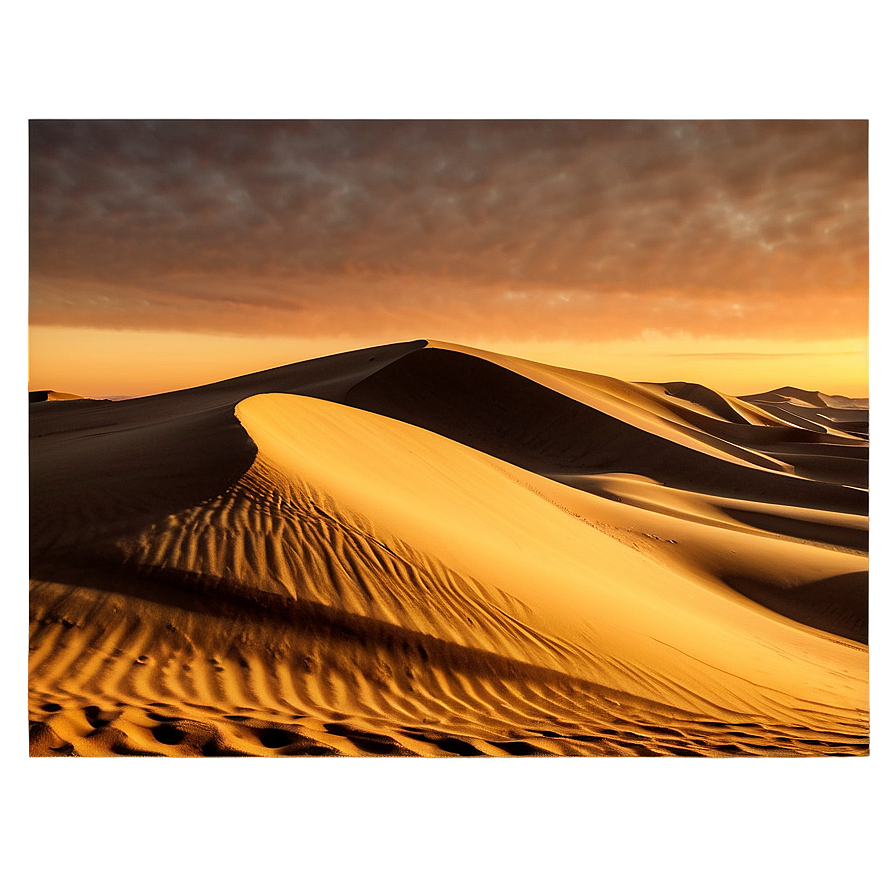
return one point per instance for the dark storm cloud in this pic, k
(273, 214)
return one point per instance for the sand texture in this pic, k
(424, 549)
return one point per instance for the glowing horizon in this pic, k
(99, 363)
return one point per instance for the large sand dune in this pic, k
(428, 550)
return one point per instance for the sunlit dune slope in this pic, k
(262, 567)
(512, 530)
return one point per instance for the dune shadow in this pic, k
(837, 605)
(810, 530)
(499, 412)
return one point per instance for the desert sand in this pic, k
(425, 549)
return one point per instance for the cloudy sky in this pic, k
(573, 241)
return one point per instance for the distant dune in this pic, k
(809, 409)
(50, 395)
(425, 549)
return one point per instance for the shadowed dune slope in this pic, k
(485, 405)
(256, 568)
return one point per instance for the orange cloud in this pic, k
(454, 228)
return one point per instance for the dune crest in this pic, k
(425, 549)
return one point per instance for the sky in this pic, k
(164, 254)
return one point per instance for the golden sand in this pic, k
(428, 550)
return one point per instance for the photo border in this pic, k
(612, 826)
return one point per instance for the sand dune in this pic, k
(50, 395)
(815, 410)
(429, 550)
